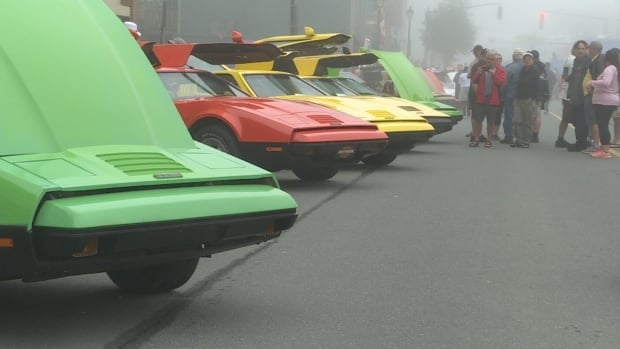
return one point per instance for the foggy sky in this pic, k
(565, 22)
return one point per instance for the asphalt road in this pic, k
(448, 247)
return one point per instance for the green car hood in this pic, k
(50, 76)
(409, 82)
(90, 137)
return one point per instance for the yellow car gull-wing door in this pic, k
(309, 42)
(319, 65)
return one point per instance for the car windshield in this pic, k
(198, 63)
(358, 87)
(189, 85)
(331, 87)
(268, 85)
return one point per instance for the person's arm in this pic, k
(477, 74)
(499, 76)
(606, 78)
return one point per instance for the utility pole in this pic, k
(293, 27)
(409, 17)
(164, 14)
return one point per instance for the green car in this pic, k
(410, 83)
(98, 173)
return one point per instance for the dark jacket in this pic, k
(575, 81)
(597, 66)
(528, 83)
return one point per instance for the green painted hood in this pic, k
(407, 78)
(75, 77)
(90, 137)
(148, 177)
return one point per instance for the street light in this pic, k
(409, 16)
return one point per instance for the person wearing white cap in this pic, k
(133, 29)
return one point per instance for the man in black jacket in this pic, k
(525, 103)
(543, 94)
(576, 96)
(597, 64)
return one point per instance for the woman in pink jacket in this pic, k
(605, 100)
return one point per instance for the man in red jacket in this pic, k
(489, 78)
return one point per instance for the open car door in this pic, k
(408, 80)
(178, 55)
(320, 65)
(308, 43)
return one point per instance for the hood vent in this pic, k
(325, 119)
(137, 164)
(409, 108)
(382, 114)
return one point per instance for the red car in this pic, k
(307, 138)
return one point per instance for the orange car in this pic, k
(275, 134)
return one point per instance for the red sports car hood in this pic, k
(298, 114)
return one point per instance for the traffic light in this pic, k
(500, 11)
(541, 20)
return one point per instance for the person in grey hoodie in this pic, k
(510, 90)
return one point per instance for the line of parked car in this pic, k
(111, 179)
(318, 130)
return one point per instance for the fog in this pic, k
(564, 23)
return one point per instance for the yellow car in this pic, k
(397, 66)
(315, 69)
(404, 128)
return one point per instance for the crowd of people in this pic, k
(517, 94)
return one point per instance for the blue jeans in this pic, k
(509, 112)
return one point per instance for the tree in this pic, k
(448, 30)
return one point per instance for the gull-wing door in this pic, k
(178, 55)
(309, 43)
(320, 65)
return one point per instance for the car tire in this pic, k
(381, 159)
(218, 137)
(314, 173)
(158, 278)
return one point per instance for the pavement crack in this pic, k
(140, 333)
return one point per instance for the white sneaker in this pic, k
(591, 149)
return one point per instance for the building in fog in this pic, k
(212, 21)
(124, 9)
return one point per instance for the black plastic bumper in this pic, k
(286, 156)
(401, 142)
(440, 124)
(49, 253)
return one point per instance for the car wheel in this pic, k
(156, 278)
(218, 137)
(314, 173)
(380, 159)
